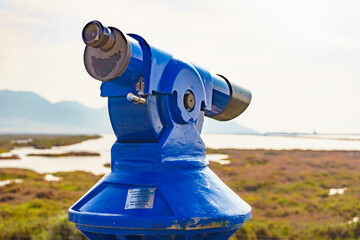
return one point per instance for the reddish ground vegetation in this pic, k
(67, 154)
(289, 192)
(11, 157)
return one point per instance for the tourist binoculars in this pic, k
(160, 185)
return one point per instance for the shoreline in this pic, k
(216, 156)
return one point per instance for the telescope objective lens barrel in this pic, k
(228, 100)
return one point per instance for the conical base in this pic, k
(184, 204)
(188, 236)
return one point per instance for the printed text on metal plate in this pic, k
(140, 198)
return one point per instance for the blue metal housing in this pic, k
(159, 147)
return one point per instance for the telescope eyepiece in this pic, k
(97, 36)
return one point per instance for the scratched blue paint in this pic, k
(159, 145)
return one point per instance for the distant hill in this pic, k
(212, 126)
(27, 112)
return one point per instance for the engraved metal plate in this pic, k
(140, 198)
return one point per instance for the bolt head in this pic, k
(189, 101)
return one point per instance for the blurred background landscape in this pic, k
(294, 155)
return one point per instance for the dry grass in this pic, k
(288, 191)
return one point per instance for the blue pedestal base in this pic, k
(191, 204)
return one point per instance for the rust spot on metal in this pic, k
(193, 225)
(103, 67)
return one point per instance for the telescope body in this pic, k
(160, 186)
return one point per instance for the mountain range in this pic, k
(27, 112)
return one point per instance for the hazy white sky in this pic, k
(300, 59)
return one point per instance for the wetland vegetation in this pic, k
(289, 192)
(10, 157)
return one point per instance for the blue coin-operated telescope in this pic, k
(160, 185)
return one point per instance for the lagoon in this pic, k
(103, 146)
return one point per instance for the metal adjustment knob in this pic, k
(135, 99)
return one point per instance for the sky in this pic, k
(300, 59)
